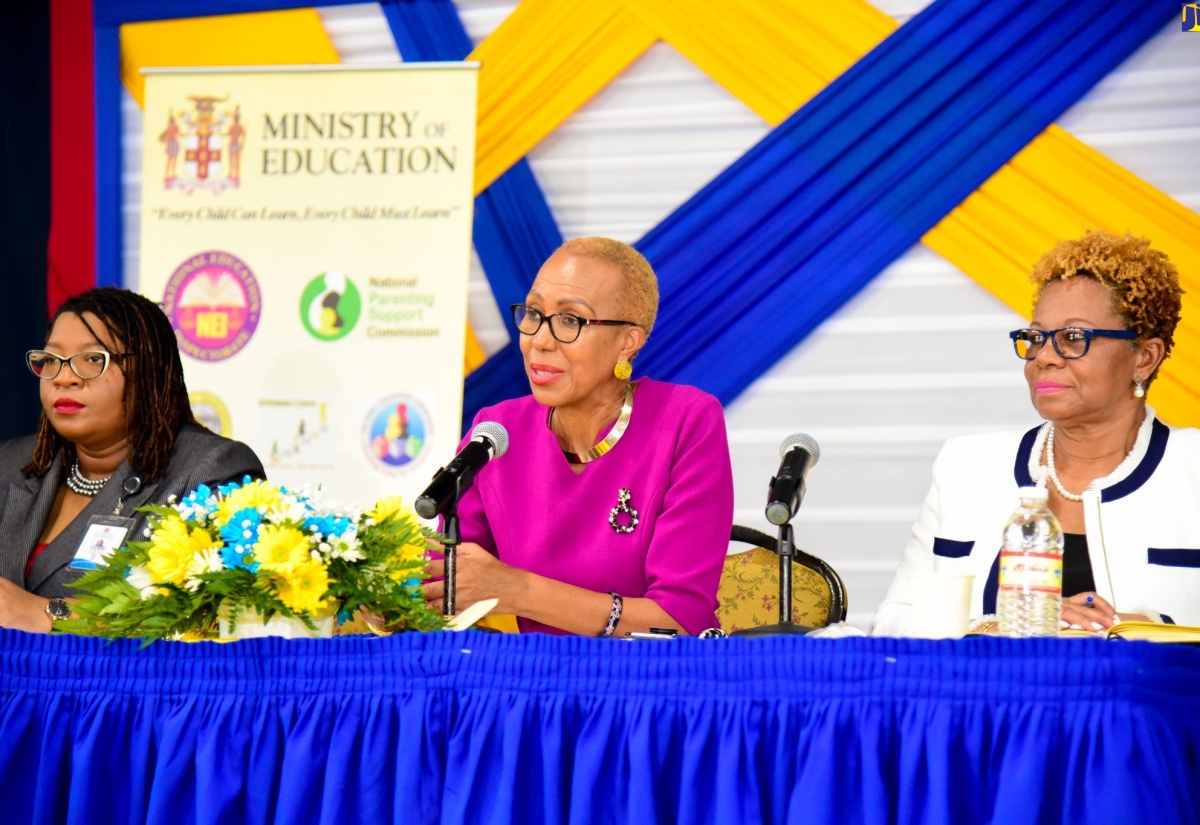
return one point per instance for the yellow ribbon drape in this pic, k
(259, 39)
(544, 61)
(549, 58)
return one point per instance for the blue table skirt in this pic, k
(484, 728)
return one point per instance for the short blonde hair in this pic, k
(639, 297)
(1143, 282)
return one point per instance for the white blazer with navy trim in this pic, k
(1142, 522)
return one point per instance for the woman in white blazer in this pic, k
(1124, 486)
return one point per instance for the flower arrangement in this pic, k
(255, 550)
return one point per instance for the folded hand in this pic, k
(21, 610)
(480, 576)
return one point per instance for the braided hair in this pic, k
(155, 396)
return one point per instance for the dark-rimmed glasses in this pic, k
(1069, 342)
(564, 326)
(87, 365)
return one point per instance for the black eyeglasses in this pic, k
(1069, 342)
(529, 321)
(87, 365)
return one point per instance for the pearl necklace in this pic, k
(81, 484)
(1053, 473)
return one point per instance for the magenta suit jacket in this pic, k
(533, 512)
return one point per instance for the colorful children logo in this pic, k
(214, 303)
(396, 432)
(211, 411)
(210, 143)
(330, 306)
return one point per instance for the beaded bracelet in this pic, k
(614, 615)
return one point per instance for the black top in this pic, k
(1077, 566)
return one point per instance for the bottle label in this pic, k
(1031, 571)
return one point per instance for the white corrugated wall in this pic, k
(919, 356)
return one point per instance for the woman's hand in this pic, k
(480, 576)
(21, 610)
(1088, 611)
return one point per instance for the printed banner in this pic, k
(308, 232)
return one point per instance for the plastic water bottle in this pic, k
(1030, 598)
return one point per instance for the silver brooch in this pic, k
(623, 518)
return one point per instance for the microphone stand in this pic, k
(450, 552)
(786, 549)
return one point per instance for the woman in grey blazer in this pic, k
(116, 432)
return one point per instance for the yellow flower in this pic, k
(281, 548)
(302, 587)
(416, 550)
(406, 554)
(390, 505)
(253, 495)
(173, 548)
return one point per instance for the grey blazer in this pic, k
(199, 457)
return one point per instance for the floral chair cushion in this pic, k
(749, 592)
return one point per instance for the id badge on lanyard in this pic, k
(105, 534)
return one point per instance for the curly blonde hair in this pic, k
(640, 294)
(1143, 282)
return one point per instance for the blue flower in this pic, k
(235, 557)
(240, 534)
(327, 525)
(242, 527)
(200, 498)
(226, 489)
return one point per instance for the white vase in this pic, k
(250, 626)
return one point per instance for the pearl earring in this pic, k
(1139, 388)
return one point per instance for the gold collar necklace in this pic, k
(609, 441)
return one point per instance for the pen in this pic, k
(1088, 601)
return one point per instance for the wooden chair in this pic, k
(749, 591)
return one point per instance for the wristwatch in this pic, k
(58, 609)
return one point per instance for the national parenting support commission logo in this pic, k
(214, 303)
(395, 433)
(330, 306)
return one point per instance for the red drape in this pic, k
(71, 250)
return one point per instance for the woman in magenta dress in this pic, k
(611, 510)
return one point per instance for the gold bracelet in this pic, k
(983, 628)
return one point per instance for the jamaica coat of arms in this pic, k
(203, 146)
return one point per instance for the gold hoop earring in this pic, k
(623, 370)
(1139, 388)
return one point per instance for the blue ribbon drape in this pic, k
(773, 246)
(784, 237)
(486, 728)
(514, 230)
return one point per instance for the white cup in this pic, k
(941, 605)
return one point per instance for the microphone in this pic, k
(798, 454)
(488, 440)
